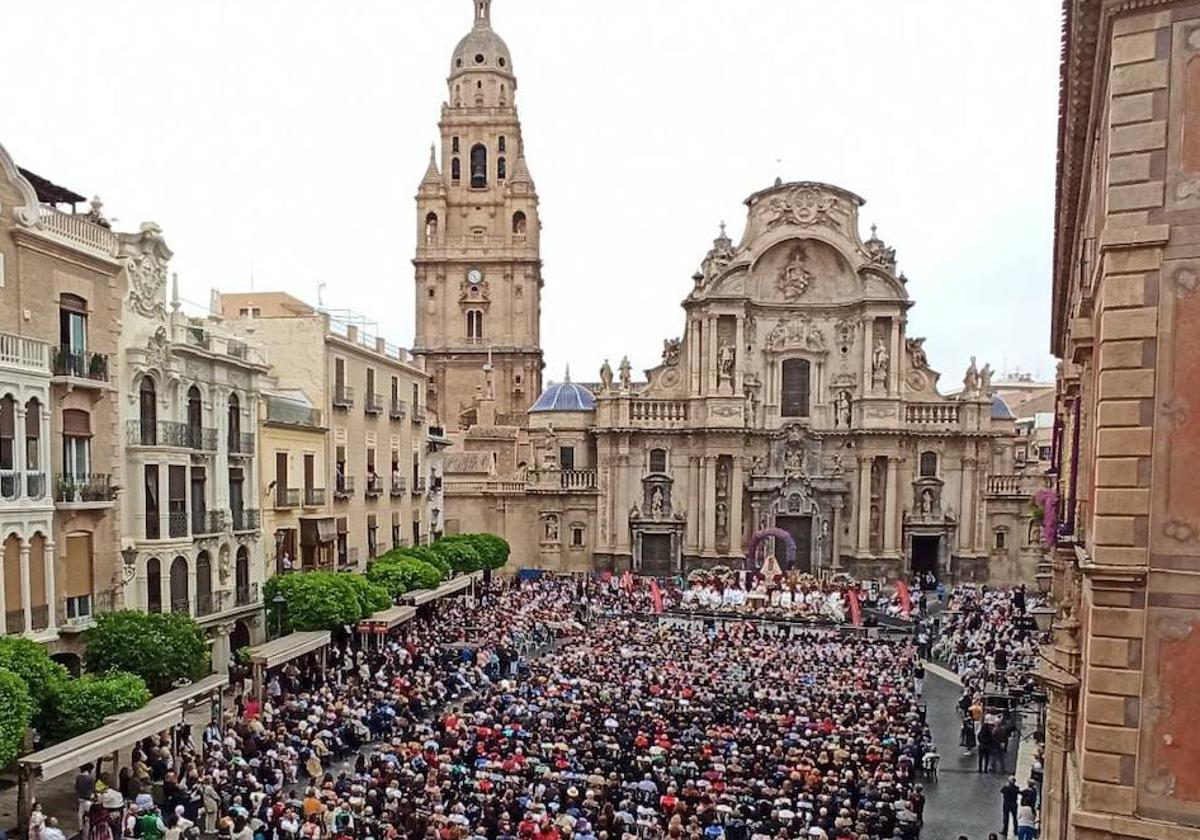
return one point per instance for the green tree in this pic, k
(42, 675)
(371, 597)
(322, 600)
(424, 552)
(16, 712)
(161, 648)
(400, 570)
(493, 550)
(388, 573)
(459, 554)
(82, 705)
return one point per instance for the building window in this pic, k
(474, 326)
(479, 166)
(154, 585)
(566, 457)
(658, 460)
(195, 417)
(454, 145)
(235, 424)
(455, 170)
(77, 444)
(180, 603)
(501, 169)
(929, 462)
(519, 223)
(372, 537)
(501, 146)
(147, 412)
(796, 374)
(33, 427)
(72, 329)
(431, 229)
(1000, 539)
(577, 536)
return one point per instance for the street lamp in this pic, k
(1043, 617)
(129, 563)
(279, 602)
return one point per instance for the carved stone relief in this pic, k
(146, 255)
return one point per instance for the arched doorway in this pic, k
(153, 585)
(242, 576)
(179, 586)
(239, 637)
(756, 548)
(204, 584)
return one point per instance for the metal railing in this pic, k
(398, 410)
(241, 444)
(343, 397)
(15, 484)
(399, 486)
(246, 519)
(373, 403)
(177, 524)
(289, 413)
(180, 604)
(419, 485)
(343, 488)
(245, 593)
(287, 497)
(199, 337)
(78, 489)
(418, 414)
(314, 496)
(80, 364)
(24, 353)
(374, 486)
(215, 522)
(236, 349)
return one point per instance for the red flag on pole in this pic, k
(905, 598)
(855, 607)
(627, 580)
(656, 599)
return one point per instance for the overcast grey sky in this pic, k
(287, 137)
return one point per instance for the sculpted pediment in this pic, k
(800, 271)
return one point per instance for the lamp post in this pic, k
(279, 603)
(1043, 617)
(128, 564)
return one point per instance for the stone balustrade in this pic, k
(79, 231)
(941, 415)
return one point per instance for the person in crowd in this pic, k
(1009, 799)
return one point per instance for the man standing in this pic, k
(85, 789)
(1009, 795)
(919, 677)
(985, 740)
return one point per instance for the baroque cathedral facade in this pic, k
(793, 406)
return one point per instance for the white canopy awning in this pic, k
(289, 647)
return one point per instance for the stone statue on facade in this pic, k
(927, 503)
(985, 380)
(880, 361)
(916, 351)
(842, 410)
(606, 377)
(657, 505)
(726, 357)
(671, 349)
(971, 382)
(794, 278)
(626, 373)
(551, 529)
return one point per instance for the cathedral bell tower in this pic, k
(478, 263)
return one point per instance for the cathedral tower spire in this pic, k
(478, 264)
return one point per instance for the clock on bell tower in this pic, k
(478, 263)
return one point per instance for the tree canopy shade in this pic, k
(16, 711)
(161, 648)
(82, 705)
(459, 554)
(488, 550)
(399, 573)
(323, 600)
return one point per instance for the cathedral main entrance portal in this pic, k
(657, 556)
(800, 529)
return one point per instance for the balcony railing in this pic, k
(201, 439)
(79, 231)
(15, 485)
(198, 337)
(343, 488)
(244, 520)
(214, 522)
(658, 413)
(374, 486)
(177, 524)
(419, 485)
(398, 410)
(287, 497)
(343, 397)
(93, 488)
(289, 413)
(399, 486)
(180, 604)
(931, 414)
(1016, 485)
(373, 404)
(80, 364)
(170, 433)
(578, 479)
(205, 603)
(241, 444)
(245, 594)
(418, 414)
(314, 497)
(24, 353)
(237, 349)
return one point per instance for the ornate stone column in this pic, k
(836, 533)
(868, 334)
(892, 508)
(863, 503)
(19, 464)
(737, 535)
(26, 595)
(48, 563)
(966, 513)
(739, 363)
(710, 344)
(708, 503)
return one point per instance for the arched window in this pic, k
(658, 460)
(519, 223)
(455, 170)
(501, 169)
(501, 146)
(76, 445)
(454, 145)
(195, 417)
(33, 432)
(479, 166)
(474, 326)
(204, 593)
(242, 576)
(235, 423)
(153, 585)
(179, 586)
(431, 229)
(147, 412)
(929, 464)
(9, 486)
(796, 382)
(503, 96)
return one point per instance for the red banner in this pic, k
(627, 581)
(855, 607)
(905, 598)
(656, 599)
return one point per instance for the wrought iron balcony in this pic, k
(373, 404)
(246, 594)
(374, 486)
(84, 489)
(419, 486)
(343, 488)
(399, 485)
(398, 410)
(314, 497)
(80, 365)
(287, 497)
(343, 397)
(177, 524)
(247, 519)
(241, 444)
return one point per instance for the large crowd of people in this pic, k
(562, 709)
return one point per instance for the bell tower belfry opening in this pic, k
(478, 268)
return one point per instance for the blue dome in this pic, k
(565, 396)
(1000, 409)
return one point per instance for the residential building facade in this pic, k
(371, 402)
(61, 290)
(1121, 760)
